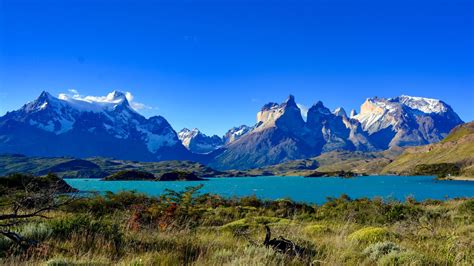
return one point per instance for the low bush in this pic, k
(245, 223)
(370, 234)
(380, 249)
(317, 229)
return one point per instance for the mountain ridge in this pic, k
(108, 126)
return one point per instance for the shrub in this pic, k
(396, 211)
(370, 234)
(238, 225)
(317, 229)
(380, 249)
(245, 223)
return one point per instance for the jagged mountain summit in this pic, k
(197, 142)
(281, 134)
(406, 120)
(91, 126)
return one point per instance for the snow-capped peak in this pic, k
(198, 142)
(186, 134)
(425, 105)
(95, 115)
(412, 119)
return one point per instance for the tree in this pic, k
(25, 197)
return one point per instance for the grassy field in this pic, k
(191, 228)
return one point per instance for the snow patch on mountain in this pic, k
(236, 133)
(425, 105)
(156, 141)
(304, 111)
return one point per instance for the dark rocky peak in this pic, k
(290, 101)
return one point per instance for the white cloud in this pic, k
(73, 91)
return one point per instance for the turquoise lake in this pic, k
(310, 190)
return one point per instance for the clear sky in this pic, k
(213, 64)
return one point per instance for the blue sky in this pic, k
(213, 64)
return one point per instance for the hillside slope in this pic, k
(97, 167)
(457, 148)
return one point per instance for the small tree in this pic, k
(25, 197)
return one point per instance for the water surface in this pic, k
(311, 190)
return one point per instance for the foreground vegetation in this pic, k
(192, 228)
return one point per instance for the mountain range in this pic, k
(109, 127)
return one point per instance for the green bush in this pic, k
(238, 225)
(317, 229)
(380, 249)
(245, 223)
(370, 234)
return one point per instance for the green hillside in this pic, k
(457, 148)
(67, 167)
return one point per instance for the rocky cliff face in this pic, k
(277, 136)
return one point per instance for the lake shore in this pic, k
(459, 178)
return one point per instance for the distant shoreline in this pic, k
(458, 178)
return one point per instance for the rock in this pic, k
(180, 176)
